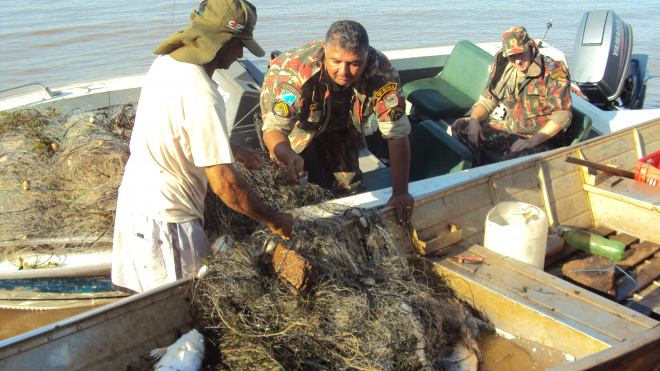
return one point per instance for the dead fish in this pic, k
(186, 354)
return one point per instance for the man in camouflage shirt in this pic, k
(319, 101)
(535, 92)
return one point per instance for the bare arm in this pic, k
(233, 191)
(278, 144)
(400, 162)
(250, 158)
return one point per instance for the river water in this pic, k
(70, 41)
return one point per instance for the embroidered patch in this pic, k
(557, 74)
(387, 88)
(391, 100)
(535, 103)
(395, 114)
(281, 109)
(287, 97)
(289, 93)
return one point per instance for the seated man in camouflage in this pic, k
(319, 101)
(535, 92)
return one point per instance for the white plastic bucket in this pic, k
(518, 230)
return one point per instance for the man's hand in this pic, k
(250, 158)
(283, 225)
(521, 144)
(404, 204)
(278, 144)
(296, 168)
(547, 132)
(475, 132)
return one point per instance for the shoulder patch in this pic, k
(385, 89)
(557, 74)
(395, 114)
(289, 93)
(391, 100)
(281, 109)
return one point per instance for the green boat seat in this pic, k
(577, 132)
(453, 92)
(580, 127)
(433, 152)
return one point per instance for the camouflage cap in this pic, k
(213, 24)
(515, 41)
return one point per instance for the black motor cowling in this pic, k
(604, 68)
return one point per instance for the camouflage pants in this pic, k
(331, 160)
(496, 139)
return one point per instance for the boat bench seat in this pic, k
(433, 152)
(453, 92)
(577, 132)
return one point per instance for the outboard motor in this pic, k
(604, 68)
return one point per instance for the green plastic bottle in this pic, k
(592, 243)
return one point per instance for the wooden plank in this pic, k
(602, 231)
(443, 210)
(517, 183)
(583, 221)
(572, 207)
(644, 275)
(530, 196)
(473, 225)
(649, 303)
(557, 168)
(565, 187)
(650, 135)
(637, 254)
(566, 251)
(443, 241)
(547, 202)
(625, 216)
(527, 283)
(619, 153)
(625, 238)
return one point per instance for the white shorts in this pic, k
(148, 253)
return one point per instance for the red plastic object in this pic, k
(646, 169)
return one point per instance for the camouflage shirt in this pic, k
(296, 97)
(532, 99)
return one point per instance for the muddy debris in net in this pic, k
(368, 309)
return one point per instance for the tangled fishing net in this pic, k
(369, 309)
(59, 175)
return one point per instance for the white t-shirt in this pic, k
(180, 127)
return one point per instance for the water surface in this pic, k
(71, 41)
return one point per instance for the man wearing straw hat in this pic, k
(535, 92)
(179, 143)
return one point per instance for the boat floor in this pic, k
(638, 288)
